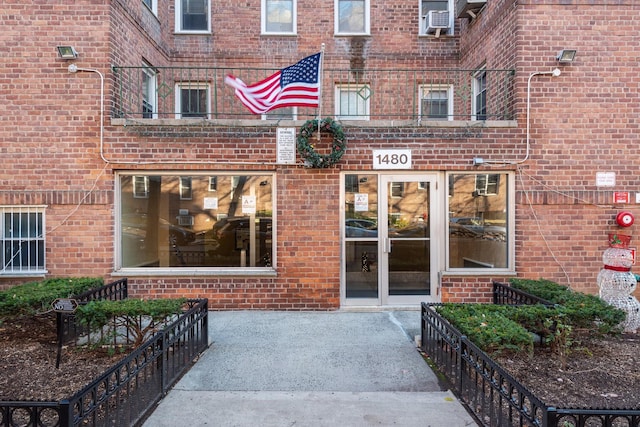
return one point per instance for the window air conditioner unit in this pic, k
(436, 21)
(185, 220)
(468, 8)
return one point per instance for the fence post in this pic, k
(550, 417)
(66, 414)
(163, 363)
(461, 361)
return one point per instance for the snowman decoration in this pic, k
(616, 281)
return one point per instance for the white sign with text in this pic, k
(392, 159)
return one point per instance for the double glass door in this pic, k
(388, 244)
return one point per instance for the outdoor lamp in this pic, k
(566, 56)
(67, 52)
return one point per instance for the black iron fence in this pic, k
(494, 397)
(68, 329)
(124, 394)
(504, 294)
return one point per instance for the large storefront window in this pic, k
(479, 228)
(187, 220)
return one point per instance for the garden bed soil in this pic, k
(28, 353)
(599, 373)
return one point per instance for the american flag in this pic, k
(295, 86)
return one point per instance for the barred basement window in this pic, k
(23, 240)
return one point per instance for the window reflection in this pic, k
(478, 227)
(226, 221)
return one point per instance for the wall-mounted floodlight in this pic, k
(67, 52)
(566, 56)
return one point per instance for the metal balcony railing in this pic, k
(415, 95)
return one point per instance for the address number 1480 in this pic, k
(392, 159)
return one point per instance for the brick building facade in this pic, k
(467, 159)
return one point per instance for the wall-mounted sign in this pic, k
(286, 146)
(248, 204)
(621, 197)
(361, 202)
(605, 179)
(392, 159)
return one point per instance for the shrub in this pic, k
(500, 328)
(131, 318)
(36, 297)
(583, 311)
(488, 327)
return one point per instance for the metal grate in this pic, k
(23, 239)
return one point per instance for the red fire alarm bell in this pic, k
(625, 219)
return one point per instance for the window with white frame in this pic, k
(352, 17)
(436, 102)
(397, 189)
(152, 5)
(480, 95)
(228, 229)
(352, 102)
(192, 16)
(487, 184)
(23, 240)
(285, 113)
(141, 187)
(213, 183)
(149, 97)
(279, 16)
(436, 17)
(480, 213)
(192, 100)
(185, 188)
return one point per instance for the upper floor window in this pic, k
(436, 102)
(352, 102)
(286, 113)
(480, 95)
(436, 17)
(149, 98)
(23, 240)
(279, 16)
(192, 100)
(152, 5)
(193, 16)
(352, 16)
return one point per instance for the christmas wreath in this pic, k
(307, 150)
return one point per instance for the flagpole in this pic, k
(320, 71)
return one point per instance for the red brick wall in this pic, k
(581, 122)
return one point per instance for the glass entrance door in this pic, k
(388, 239)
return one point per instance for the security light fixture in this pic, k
(566, 56)
(67, 52)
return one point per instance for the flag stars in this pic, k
(305, 71)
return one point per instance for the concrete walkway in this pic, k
(311, 369)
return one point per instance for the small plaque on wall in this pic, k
(286, 146)
(392, 159)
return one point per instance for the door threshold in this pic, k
(370, 308)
